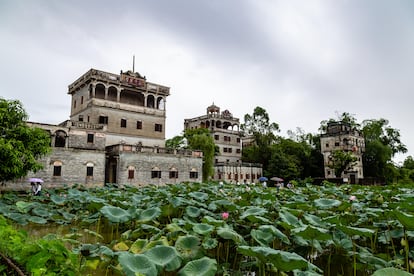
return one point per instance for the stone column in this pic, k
(118, 94)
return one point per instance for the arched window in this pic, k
(155, 172)
(151, 101)
(89, 169)
(131, 172)
(60, 139)
(161, 103)
(193, 173)
(173, 173)
(57, 168)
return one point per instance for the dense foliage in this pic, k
(20, 145)
(210, 229)
(197, 139)
(45, 256)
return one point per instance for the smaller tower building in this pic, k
(342, 136)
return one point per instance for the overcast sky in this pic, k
(302, 61)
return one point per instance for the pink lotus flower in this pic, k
(352, 198)
(225, 215)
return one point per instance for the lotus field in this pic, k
(214, 229)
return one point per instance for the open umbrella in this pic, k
(277, 179)
(263, 178)
(35, 180)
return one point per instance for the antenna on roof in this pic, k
(133, 64)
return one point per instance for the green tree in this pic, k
(382, 142)
(201, 139)
(20, 145)
(177, 142)
(341, 160)
(258, 126)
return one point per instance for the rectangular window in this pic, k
(80, 118)
(193, 174)
(57, 170)
(216, 137)
(156, 174)
(238, 151)
(158, 127)
(123, 123)
(336, 144)
(89, 171)
(90, 138)
(224, 149)
(139, 124)
(230, 150)
(131, 174)
(173, 174)
(238, 140)
(227, 138)
(103, 120)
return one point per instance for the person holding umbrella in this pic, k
(36, 185)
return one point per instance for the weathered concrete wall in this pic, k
(144, 163)
(73, 169)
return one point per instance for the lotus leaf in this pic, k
(407, 220)
(164, 256)
(253, 211)
(390, 271)
(138, 246)
(38, 220)
(288, 220)
(275, 232)
(282, 260)
(19, 218)
(212, 221)
(41, 211)
(312, 233)
(149, 214)
(115, 214)
(192, 211)
(200, 196)
(58, 200)
(25, 207)
(209, 243)
(188, 246)
(352, 231)
(327, 203)
(157, 242)
(174, 227)
(134, 265)
(120, 246)
(201, 267)
(150, 228)
(264, 238)
(203, 228)
(229, 234)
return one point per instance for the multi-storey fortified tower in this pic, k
(225, 130)
(227, 136)
(341, 136)
(132, 108)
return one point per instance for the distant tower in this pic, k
(341, 136)
(225, 130)
(132, 108)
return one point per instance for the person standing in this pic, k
(38, 188)
(34, 188)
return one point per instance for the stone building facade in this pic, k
(116, 134)
(226, 133)
(341, 136)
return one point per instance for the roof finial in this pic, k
(133, 64)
